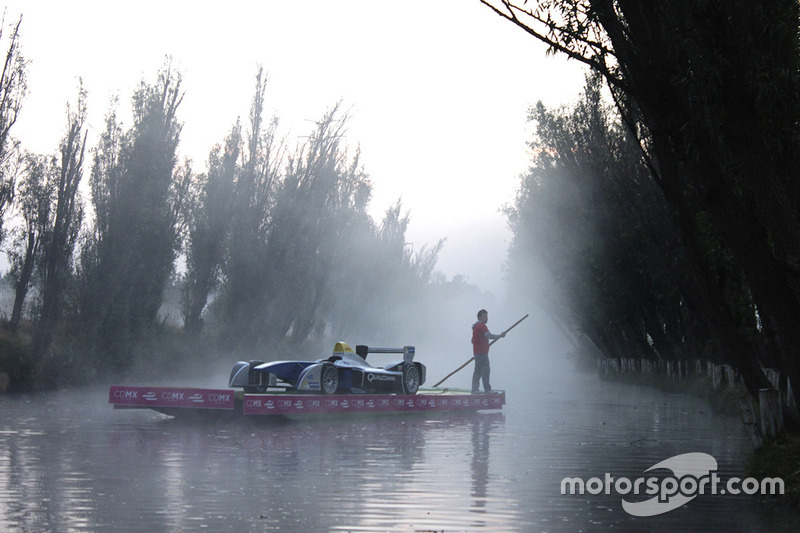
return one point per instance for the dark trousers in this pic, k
(481, 372)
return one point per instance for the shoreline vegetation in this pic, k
(771, 456)
(72, 362)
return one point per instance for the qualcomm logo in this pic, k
(692, 474)
(379, 377)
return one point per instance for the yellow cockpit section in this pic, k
(342, 348)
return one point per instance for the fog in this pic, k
(534, 349)
(533, 352)
(438, 323)
(441, 331)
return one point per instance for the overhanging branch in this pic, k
(596, 61)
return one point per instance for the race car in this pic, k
(346, 371)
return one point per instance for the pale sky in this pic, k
(438, 93)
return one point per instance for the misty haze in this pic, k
(184, 196)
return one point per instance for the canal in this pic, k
(69, 462)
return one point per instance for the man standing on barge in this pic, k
(480, 349)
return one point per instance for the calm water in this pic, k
(68, 462)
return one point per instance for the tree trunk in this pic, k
(21, 290)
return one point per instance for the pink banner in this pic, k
(256, 404)
(171, 397)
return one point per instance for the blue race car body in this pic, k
(346, 371)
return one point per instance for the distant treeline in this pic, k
(276, 246)
(669, 220)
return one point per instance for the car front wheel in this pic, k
(410, 379)
(329, 381)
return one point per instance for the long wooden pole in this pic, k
(472, 358)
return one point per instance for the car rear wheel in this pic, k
(410, 379)
(329, 381)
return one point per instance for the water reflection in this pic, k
(68, 462)
(481, 433)
(370, 473)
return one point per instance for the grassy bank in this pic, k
(73, 361)
(16, 370)
(779, 458)
(774, 459)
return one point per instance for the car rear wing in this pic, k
(407, 351)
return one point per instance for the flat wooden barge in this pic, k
(178, 401)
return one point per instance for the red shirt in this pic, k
(480, 342)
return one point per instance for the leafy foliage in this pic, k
(63, 228)
(710, 89)
(138, 193)
(35, 198)
(13, 88)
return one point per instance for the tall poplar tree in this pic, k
(138, 193)
(13, 87)
(63, 228)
